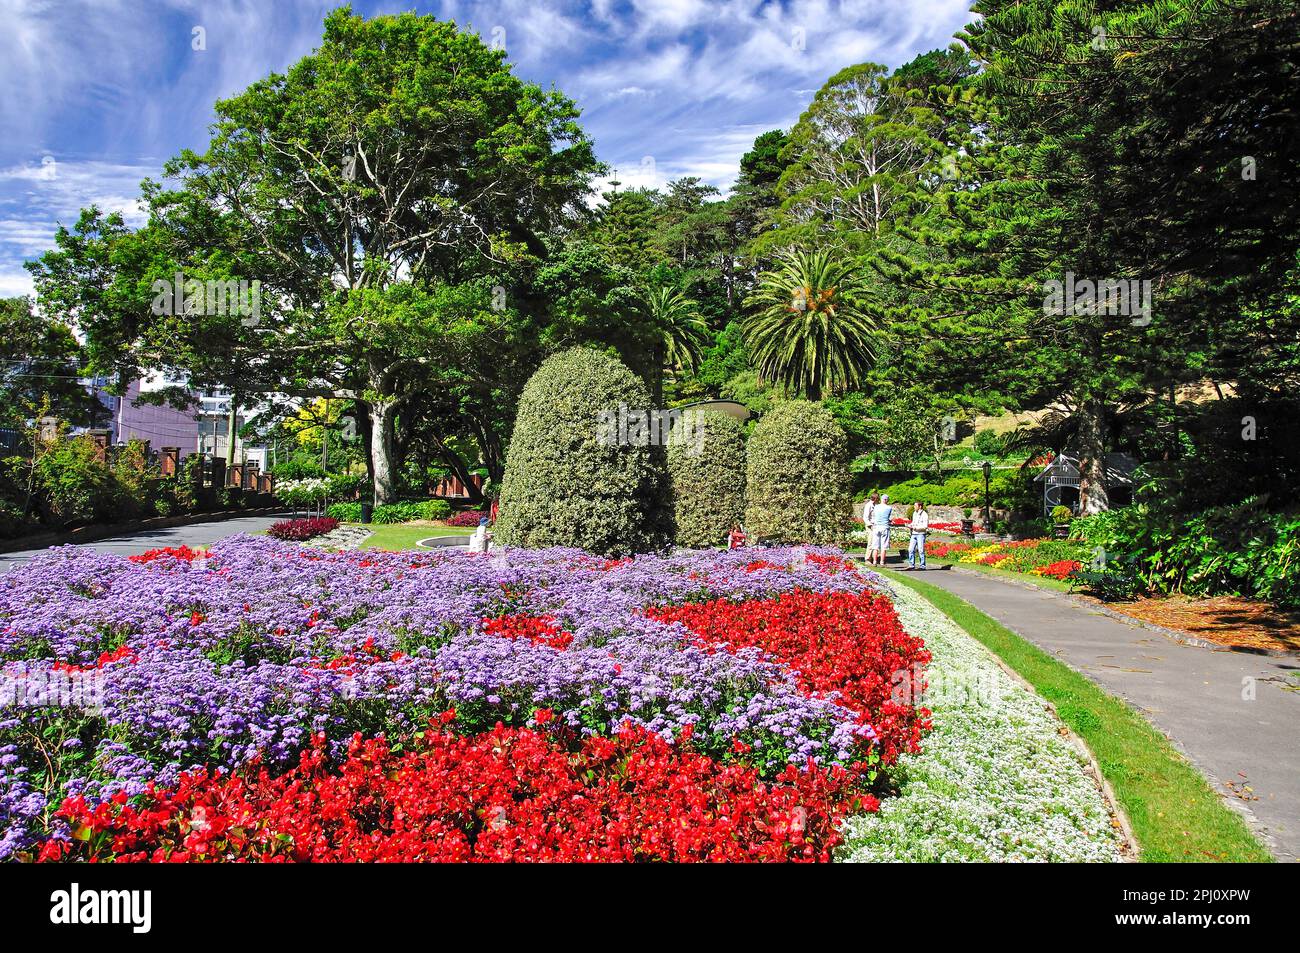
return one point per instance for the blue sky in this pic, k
(98, 93)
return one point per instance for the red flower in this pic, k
(178, 553)
(540, 630)
(847, 643)
(506, 795)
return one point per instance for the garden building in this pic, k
(1060, 480)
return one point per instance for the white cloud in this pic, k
(16, 284)
(36, 197)
(98, 92)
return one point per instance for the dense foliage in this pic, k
(574, 476)
(707, 473)
(796, 480)
(1243, 549)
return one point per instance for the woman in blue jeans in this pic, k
(920, 526)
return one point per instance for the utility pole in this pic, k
(231, 423)
(325, 439)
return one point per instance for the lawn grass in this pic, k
(395, 536)
(1176, 816)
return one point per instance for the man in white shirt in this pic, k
(920, 525)
(880, 517)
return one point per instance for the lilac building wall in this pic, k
(161, 425)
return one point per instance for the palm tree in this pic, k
(682, 331)
(810, 329)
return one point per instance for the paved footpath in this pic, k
(1192, 694)
(193, 535)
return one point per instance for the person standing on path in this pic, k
(920, 526)
(872, 502)
(881, 514)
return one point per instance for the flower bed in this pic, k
(997, 781)
(1053, 558)
(301, 530)
(850, 644)
(465, 518)
(219, 673)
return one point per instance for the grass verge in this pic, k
(1176, 816)
(395, 536)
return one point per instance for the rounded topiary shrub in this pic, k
(706, 466)
(797, 477)
(580, 470)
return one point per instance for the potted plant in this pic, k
(1061, 516)
(967, 524)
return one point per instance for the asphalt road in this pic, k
(194, 535)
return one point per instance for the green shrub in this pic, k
(299, 468)
(1243, 549)
(77, 486)
(11, 520)
(135, 479)
(344, 512)
(571, 479)
(1008, 489)
(707, 473)
(1117, 580)
(990, 444)
(405, 511)
(797, 478)
(348, 485)
(1062, 514)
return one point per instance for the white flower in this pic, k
(995, 780)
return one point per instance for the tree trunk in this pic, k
(383, 413)
(1092, 459)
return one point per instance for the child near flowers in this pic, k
(736, 538)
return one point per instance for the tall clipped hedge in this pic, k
(707, 471)
(566, 482)
(797, 478)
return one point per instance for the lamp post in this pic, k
(988, 513)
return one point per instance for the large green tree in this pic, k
(810, 328)
(1149, 142)
(399, 161)
(40, 368)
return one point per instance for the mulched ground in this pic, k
(1224, 620)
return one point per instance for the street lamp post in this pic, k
(988, 513)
